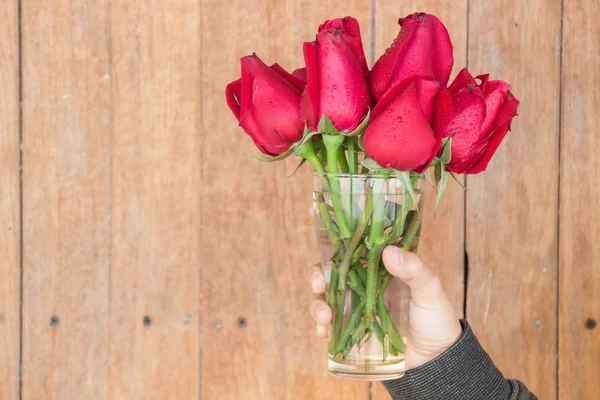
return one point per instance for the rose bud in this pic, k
(266, 102)
(422, 48)
(477, 117)
(336, 69)
(399, 134)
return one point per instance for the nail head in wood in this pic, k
(242, 322)
(590, 323)
(147, 321)
(54, 320)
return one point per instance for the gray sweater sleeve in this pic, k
(464, 372)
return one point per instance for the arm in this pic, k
(443, 357)
(464, 371)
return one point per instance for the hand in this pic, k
(433, 324)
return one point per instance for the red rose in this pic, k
(336, 69)
(422, 48)
(477, 117)
(266, 102)
(399, 134)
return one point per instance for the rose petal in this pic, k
(233, 95)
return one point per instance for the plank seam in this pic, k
(110, 186)
(21, 271)
(201, 194)
(560, 127)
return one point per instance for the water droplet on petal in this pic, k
(399, 119)
(327, 87)
(334, 87)
(270, 103)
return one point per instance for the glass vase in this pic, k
(356, 217)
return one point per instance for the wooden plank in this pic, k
(258, 239)
(442, 239)
(512, 207)
(10, 225)
(155, 201)
(579, 296)
(66, 198)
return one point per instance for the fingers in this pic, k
(317, 280)
(425, 286)
(320, 312)
(319, 309)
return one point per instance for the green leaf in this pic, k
(308, 135)
(361, 128)
(453, 175)
(391, 210)
(404, 178)
(447, 153)
(326, 126)
(428, 177)
(401, 218)
(442, 183)
(386, 346)
(437, 175)
(302, 161)
(272, 159)
(371, 164)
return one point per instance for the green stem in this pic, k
(335, 276)
(344, 168)
(376, 241)
(354, 242)
(307, 151)
(355, 283)
(352, 155)
(413, 228)
(380, 311)
(391, 328)
(380, 336)
(355, 337)
(332, 144)
(377, 224)
(362, 273)
(371, 289)
(352, 321)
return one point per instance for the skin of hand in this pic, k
(433, 323)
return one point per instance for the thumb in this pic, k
(425, 286)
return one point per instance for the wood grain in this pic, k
(155, 201)
(66, 198)
(512, 207)
(442, 239)
(579, 301)
(10, 208)
(258, 238)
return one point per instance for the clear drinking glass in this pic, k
(356, 216)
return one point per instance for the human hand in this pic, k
(433, 324)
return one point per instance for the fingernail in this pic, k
(314, 282)
(395, 254)
(321, 311)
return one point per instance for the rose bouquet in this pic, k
(371, 137)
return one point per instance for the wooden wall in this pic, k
(144, 256)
